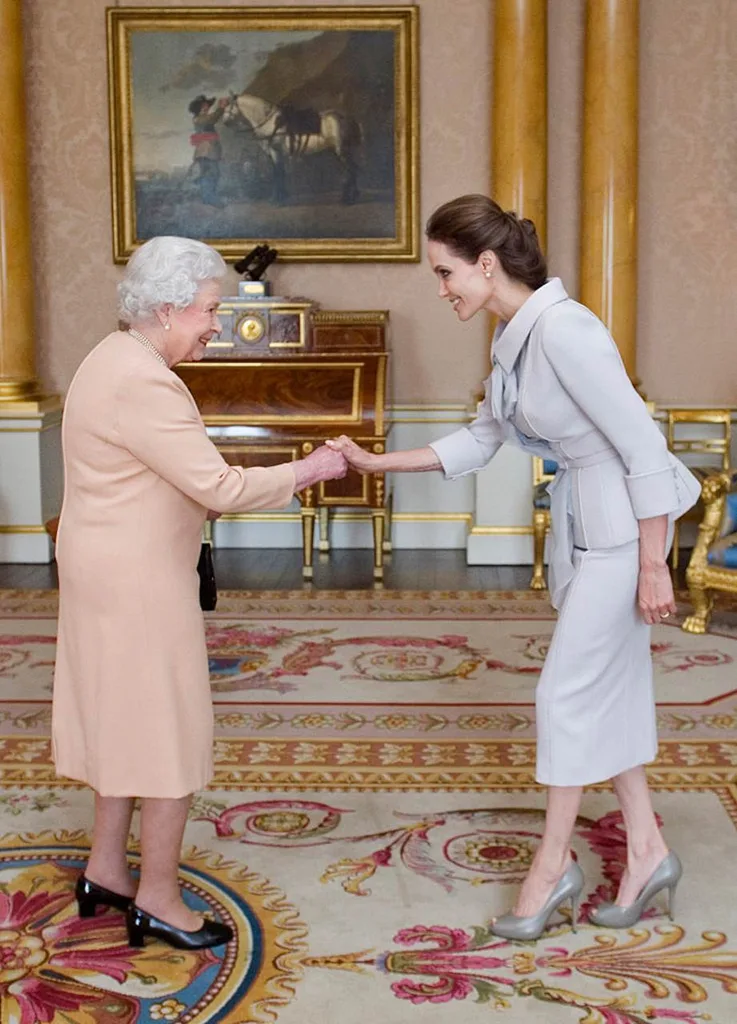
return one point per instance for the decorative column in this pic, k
(502, 533)
(17, 355)
(30, 456)
(519, 178)
(609, 171)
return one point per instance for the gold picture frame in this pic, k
(299, 125)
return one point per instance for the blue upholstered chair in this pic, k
(713, 563)
(543, 471)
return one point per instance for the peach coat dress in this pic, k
(132, 710)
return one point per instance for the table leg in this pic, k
(324, 528)
(388, 525)
(378, 521)
(308, 540)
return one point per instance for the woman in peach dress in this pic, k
(132, 712)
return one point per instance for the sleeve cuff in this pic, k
(459, 454)
(653, 494)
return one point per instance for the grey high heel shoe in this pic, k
(666, 876)
(527, 929)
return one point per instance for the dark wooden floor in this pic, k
(281, 569)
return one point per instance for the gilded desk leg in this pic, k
(378, 521)
(308, 541)
(540, 519)
(388, 524)
(324, 528)
(675, 550)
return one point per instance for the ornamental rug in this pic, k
(343, 691)
(374, 806)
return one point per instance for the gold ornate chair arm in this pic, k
(714, 492)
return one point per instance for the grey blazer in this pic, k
(558, 389)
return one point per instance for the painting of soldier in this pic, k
(208, 151)
(235, 128)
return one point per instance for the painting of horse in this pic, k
(292, 125)
(287, 133)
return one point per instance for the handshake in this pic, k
(331, 461)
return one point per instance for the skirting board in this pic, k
(353, 533)
(32, 548)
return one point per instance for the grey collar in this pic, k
(511, 335)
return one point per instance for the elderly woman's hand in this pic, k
(363, 461)
(322, 464)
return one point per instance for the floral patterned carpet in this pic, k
(374, 806)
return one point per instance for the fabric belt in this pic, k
(560, 566)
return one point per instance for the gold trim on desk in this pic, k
(340, 500)
(255, 419)
(375, 317)
(380, 393)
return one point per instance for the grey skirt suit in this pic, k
(558, 389)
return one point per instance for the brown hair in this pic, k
(471, 224)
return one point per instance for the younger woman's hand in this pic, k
(655, 593)
(361, 460)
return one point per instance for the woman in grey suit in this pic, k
(558, 388)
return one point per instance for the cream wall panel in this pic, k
(76, 279)
(30, 485)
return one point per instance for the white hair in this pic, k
(166, 270)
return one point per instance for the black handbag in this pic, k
(208, 584)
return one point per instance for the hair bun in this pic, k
(528, 227)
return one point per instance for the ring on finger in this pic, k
(665, 615)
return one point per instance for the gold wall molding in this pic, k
(22, 529)
(609, 170)
(347, 517)
(497, 531)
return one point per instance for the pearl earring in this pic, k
(487, 273)
(167, 326)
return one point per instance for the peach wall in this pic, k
(688, 192)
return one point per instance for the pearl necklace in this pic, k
(143, 340)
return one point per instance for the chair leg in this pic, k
(378, 518)
(703, 602)
(324, 528)
(388, 513)
(308, 541)
(675, 550)
(540, 520)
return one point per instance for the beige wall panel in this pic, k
(76, 278)
(688, 201)
(688, 193)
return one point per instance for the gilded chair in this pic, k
(543, 471)
(713, 562)
(704, 455)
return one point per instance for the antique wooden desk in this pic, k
(282, 378)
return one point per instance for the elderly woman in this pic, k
(558, 389)
(132, 713)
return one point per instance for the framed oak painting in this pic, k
(296, 125)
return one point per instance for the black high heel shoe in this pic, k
(90, 896)
(141, 925)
